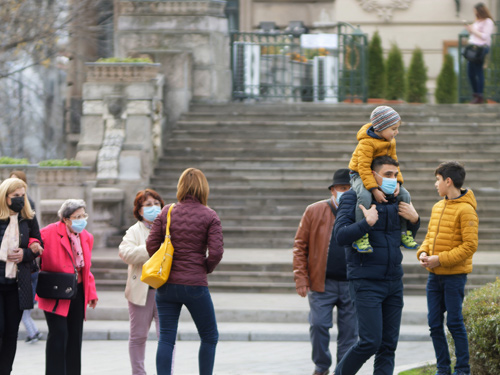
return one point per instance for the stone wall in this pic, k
(189, 38)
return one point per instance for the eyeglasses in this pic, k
(151, 205)
(80, 217)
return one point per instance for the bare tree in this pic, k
(39, 41)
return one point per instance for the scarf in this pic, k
(76, 247)
(10, 242)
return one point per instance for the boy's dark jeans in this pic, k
(445, 293)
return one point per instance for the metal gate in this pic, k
(277, 66)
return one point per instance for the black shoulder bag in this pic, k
(57, 285)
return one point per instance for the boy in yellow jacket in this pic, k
(446, 252)
(378, 138)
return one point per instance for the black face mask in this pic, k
(17, 204)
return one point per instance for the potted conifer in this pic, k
(417, 78)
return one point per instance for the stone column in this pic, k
(190, 38)
(121, 130)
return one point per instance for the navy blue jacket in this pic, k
(385, 238)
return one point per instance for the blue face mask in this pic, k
(388, 184)
(78, 225)
(151, 212)
(339, 194)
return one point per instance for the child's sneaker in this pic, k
(363, 245)
(408, 242)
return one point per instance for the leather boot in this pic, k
(474, 99)
(480, 99)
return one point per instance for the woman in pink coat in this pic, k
(67, 245)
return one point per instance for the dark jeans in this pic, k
(169, 300)
(321, 320)
(445, 293)
(10, 317)
(379, 305)
(64, 341)
(475, 72)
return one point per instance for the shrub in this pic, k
(7, 160)
(395, 87)
(417, 78)
(376, 68)
(481, 313)
(446, 88)
(60, 163)
(125, 60)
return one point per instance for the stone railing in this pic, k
(121, 72)
(49, 187)
(172, 8)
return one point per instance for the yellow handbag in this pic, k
(156, 270)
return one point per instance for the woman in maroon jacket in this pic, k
(194, 227)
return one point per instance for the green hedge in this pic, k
(481, 313)
(376, 68)
(417, 78)
(7, 160)
(60, 163)
(395, 86)
(446, 88)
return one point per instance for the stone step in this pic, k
(460, 119)
(317, 175)
(404, 145)
(266, 276)
(363, 109)
(286, 163)
(331, 128)
(342, 151)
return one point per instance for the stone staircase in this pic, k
(266, 162)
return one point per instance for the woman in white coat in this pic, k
(140, 296)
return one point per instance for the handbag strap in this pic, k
(167, 232)
(334, 210)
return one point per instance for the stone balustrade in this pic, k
(121, 72)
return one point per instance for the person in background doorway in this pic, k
(319, 269)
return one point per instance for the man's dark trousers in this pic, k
(379, 305)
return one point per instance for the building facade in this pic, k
(432, 25)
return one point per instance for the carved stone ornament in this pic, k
(385, 8)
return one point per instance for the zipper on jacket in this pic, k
(437, 229)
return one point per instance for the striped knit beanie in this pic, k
(384, 117)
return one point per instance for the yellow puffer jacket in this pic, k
(369, 148)
(452, 234)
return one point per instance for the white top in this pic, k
(133, 252)
(481, 34)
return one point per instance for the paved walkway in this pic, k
(233, 358)
(259, 333)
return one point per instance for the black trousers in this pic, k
(64, 341)
(10, 317)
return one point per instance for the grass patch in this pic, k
(425, 370)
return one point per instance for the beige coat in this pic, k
(133, 252)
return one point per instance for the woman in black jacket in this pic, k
(17, 225)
